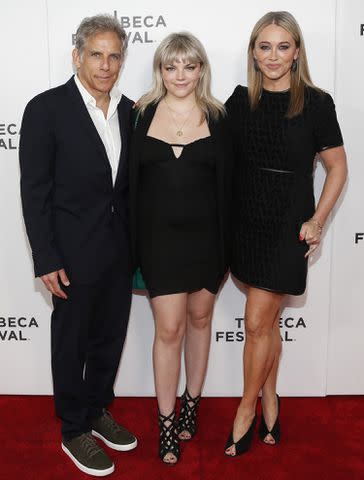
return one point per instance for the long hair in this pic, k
(185, 47)
(300, 75)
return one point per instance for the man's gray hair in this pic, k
(96, 24)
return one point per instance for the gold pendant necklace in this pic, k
(179, 131)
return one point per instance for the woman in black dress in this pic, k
(280, 121)
(180, 181)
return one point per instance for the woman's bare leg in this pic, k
(170, 325)
(261, 311)
(269, 397)
(197, 344)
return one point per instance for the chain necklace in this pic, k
(179, 131)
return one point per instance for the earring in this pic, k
(294, 65)
(256, 67)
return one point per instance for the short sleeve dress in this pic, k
(273, 184)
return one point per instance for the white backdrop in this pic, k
(346, 334)
(322, 330)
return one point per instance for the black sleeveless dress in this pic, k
(273, 187)
(177, 219)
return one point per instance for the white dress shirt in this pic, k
(107, 128)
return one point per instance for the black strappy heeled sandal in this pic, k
(187, 421)
(168, 436)
(275, 432)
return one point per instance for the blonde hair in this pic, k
(185, 47)
(300, 75)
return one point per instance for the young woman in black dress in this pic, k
(280, 121)
(180, 182)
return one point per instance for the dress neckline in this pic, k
(276, 92)
(179, 144)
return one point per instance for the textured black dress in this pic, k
(177, 216)
(273, 187)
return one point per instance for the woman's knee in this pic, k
(256, 328)
(170, 333)
(261, 313)
(199, 318)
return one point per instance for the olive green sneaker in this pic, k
(112, 434)
(88, 456)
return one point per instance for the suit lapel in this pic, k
(124, 127)
(81, 113)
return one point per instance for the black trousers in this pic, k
(87, 337)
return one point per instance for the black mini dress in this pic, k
(273, 184)
(177, 227)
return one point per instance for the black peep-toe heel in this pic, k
(275, 432)
(244, 443)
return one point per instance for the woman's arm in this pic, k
(336, 167)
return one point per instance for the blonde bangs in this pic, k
(179, 51)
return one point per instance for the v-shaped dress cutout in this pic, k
(182, 146)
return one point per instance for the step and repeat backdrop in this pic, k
(323, 330)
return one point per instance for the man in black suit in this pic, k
(74, 187)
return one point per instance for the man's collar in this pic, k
(115, 93)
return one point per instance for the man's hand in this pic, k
(52, 284)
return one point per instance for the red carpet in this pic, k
(322, 438)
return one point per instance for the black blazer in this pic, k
(221, 136)
(75, 218)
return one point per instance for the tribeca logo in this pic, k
(232, 336)
(8, 136)
(136, 23)
(13, 328)
(286, 325)
(359, 237)
(133, 25)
